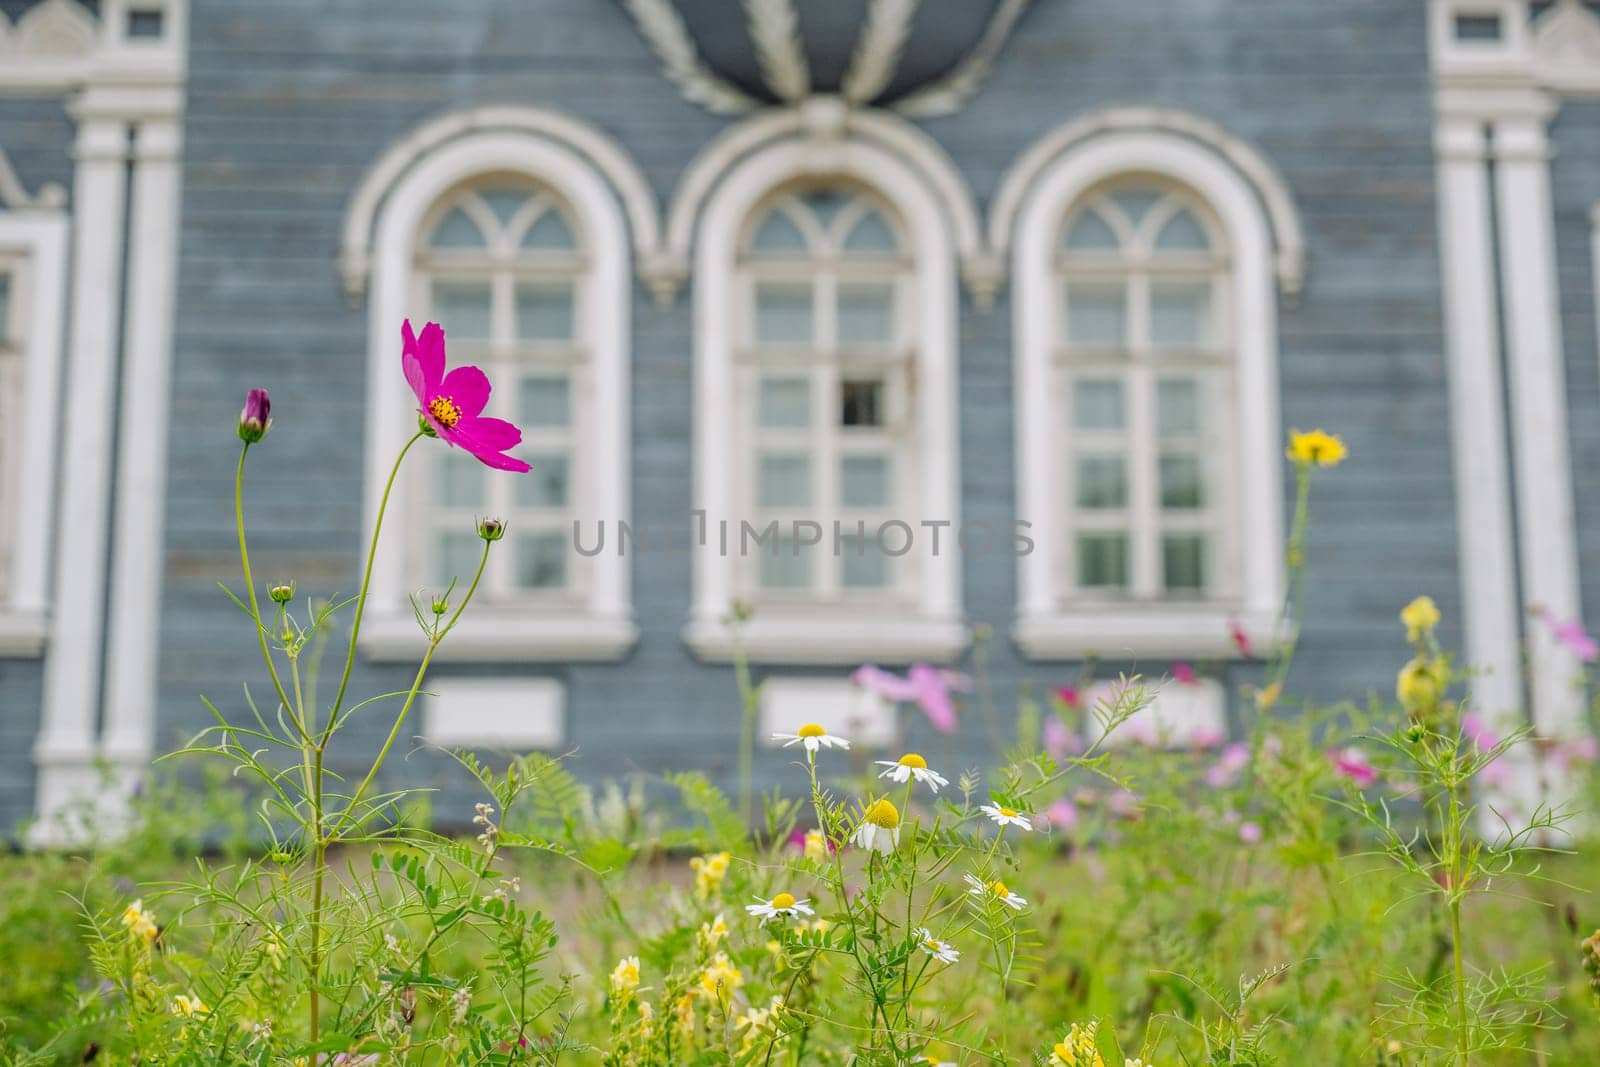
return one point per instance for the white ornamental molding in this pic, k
(1566, 48)
(951, 93)
(14, 197)
(877, 53)
(60, 46)
(56, 29)
(669, 38)
(775, 30)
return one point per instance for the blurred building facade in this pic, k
(999, 310)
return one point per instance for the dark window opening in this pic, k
(861, 403)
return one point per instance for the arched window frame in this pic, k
(33, 255)
(928, 624)
(599, 625)
(1037, 200)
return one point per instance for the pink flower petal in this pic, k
(1070, 696)
(486, 434)
(429, 353)
(1184, 674)
(933, 697)
(468, 389)
(884, 683)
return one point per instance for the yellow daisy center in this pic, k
(444, 411)
(1010, 813)
(884, 814)
(933, 943)
(811, 729)
(911, 759)
(783, 900)
(999, 889)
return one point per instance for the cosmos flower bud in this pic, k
(281, 594)
(256, 418)
(491, 529)
(441, 604)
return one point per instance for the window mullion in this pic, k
(825, 476)
(1143, 449)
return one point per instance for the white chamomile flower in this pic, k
(1008, 816)
(813, 737)
(880, 828)
(942, 951)
(996, 890)
(783, 906)
(912, 766)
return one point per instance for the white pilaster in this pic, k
(1547, 541)
(130, 705)
(1477, 423)
(65, 750)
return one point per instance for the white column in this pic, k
(1547, 540)
(66, 747)
(136, 562)
(1477, 423)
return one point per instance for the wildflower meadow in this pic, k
(1392, 881)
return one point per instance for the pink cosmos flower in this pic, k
(1059, 741)
(1250, 833)
(1474, 729)
(1071, 696)
(1230, 764)
(1241, 640)
(1571, 636)
(1063, 815)
(1353, 764)
(928, 686)
(453, 403)
(1183, 674)
(1206, 737)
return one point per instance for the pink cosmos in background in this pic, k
(1059, 741)
(1250, 833)
(1571, 636)
(1476, 730)
(1062, 815)
(1184, 674)
(1230, 764)
(1353, 764)
(1071, 696)
(1241, 640)
(929, 687)
(453, 403)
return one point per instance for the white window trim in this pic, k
(1044, 629)
(933, 628)
(40, 239)
(604, 628)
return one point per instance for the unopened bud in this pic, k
(441, 604)
(281, 594)
(1416, 732)
(491, 529)
(256, 418)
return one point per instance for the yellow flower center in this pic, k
(884, 814)
(1010, 813)
(1063, 1053)
(444, 411)
(933, 944)
(911, 759)
(783, 900)
(811, 729)
(999, 889)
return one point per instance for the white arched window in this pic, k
(506, 226)
(1148, 440)
(826, 439)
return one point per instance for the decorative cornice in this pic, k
(951, 93)
(55, 28)
(775, 30)
(878, 49)
(13, 196)
(1566, 48)
(669, 38)
(60, 46)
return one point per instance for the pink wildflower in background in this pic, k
(452, 404)
(1230, 764)
(1250, 833)
(1571, 636)
(1183, 673)
(1063, 815)
(1241, 640)
(1071, 696)
(1059, 741)
(929, 687)
(1353, 764)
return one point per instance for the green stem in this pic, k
(250, 589)
(366, 580)
(749, 701)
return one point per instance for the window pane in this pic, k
(1180, 314)
(542, 560)
(1183, 561)
(871, 236)
(783, 313)
(1103, 560)
(1182, 233)
(1097, 404)
(456, 557)
(864, 481)
(504, 202)
(545, 401)
(784, 480)
(1096, 314)
(458, 479)
(546, 485)
(462, 308)
(457, 230)
(824, 204)
(862, 563)
(1178, 407)
(778, 234)
(785, 403)
(1135, 202)
(1182, 483)
(549, 233)
(1091, 232)
(861, 403)
(544, 311)
(1102, 482)
(866, 314)
(781, 568)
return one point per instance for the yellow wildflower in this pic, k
(141, 924)
(721, 977)
(183, 1004)
(1421, 683)
(625, 977)
(816, 845)
(714, 931)
(1420, 617)
(685, 1009)
(880, 828)
(709, 873)
(1078, 1048)
(1266, 698)
(1316, 447)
